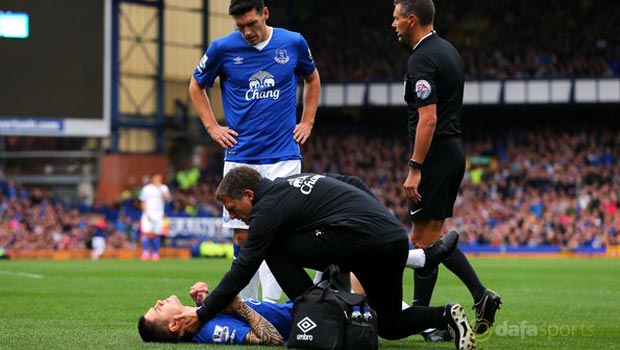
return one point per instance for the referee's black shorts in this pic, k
(442, 174)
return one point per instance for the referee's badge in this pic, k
(423, 89)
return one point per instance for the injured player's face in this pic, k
(165, 309)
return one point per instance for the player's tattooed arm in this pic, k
(263, 332)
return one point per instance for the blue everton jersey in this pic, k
(231, 329)
(259, 92)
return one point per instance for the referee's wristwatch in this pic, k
(414, 165)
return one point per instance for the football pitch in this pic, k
(548, 304)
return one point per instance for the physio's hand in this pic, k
(234, 305)
(198, 292)
(223, 135)
(411, 185)
(190, 319)
(302, 132)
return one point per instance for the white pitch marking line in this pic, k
(21, 274)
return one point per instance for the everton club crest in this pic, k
(282, 56)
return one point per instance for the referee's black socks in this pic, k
(460, 266)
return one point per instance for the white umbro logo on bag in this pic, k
(305, 325)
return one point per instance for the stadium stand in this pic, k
(527, 185)
(524, 187)
(542, 187)
(498, 40)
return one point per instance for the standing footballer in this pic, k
(434, 85)
(258, 66)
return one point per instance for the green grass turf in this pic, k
(548, 304)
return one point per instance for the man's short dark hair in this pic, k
(241, 7)
(157, 332)
(423, 9)
(236, 181)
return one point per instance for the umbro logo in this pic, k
(238, 60)
(306, 324)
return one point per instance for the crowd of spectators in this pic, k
(548, 187)
(32, 219)
(524, 186)
(498, 39)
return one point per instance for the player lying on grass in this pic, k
(242, 322)
(250, 321)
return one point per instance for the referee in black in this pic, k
(311, 221)
(434, 94)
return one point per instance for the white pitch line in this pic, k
(21, 274)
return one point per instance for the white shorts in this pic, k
(270, 171)
(155, 226)
(98, 245)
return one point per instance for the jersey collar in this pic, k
(424, 37)
(261, 46)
